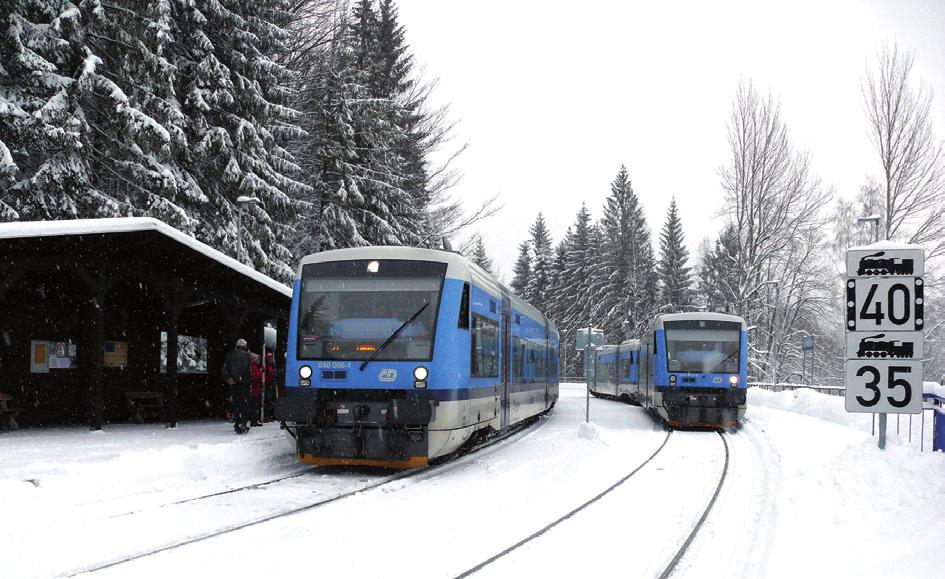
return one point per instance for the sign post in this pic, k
(807, 345)
(885, 303)
(589, 340)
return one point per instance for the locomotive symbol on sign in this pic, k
(872, 347)
(876, 264)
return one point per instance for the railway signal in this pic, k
(885, 315)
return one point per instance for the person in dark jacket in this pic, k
(238, 376)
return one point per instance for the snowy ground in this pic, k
(807, 493)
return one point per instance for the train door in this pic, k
(506, 358)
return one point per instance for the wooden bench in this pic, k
(144, 402)
(8, 415)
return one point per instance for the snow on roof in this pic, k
(24, 229)
(884, 245)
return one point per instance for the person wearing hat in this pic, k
(238, 376)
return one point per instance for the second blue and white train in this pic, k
(690, 369)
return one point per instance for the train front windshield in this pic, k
(349, 309)
(709, 348)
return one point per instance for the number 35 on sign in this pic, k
(892, 386)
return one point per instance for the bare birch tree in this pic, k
(912, 182)
(774, 204)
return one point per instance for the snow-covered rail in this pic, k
(436, 469)
(673, 556)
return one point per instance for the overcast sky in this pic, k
(553, 97)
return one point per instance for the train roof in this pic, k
(457, 267)
(707, 316)
(626, 345)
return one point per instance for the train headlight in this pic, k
(733, 380)
(672, 378)
(305, 372)
(420, 373)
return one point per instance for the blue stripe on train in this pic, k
(442, 394)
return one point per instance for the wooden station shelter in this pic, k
(92, 309)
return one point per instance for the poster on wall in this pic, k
(62, 355)
(116, 354)
(39, 357)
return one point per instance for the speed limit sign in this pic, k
(885, 304)
(892, 386)
(885, 308)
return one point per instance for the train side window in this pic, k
(485, 348)
(464, 308)
(518, 359)
(654, 343)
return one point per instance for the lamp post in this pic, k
(774, 316)
(242, 201)
(882, 415)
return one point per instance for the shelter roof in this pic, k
(105, 236)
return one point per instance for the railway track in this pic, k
(435, 469)
(680, 551)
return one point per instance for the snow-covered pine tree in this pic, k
(233, 91)
(718, 272)
(577, 287)
(522, 271)
(80, 140)
(536, 290)
(675, 279)
(332, 217)
(627, 286)
(480, 257)
(165, 109)
(555, 305)
(364, 152)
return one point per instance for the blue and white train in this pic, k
(617, 372)
(398, 356)
(689, 369)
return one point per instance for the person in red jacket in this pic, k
(256, 392)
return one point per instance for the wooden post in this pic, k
(97, 346)
(170, 394)
(98, 286)
(176, 299)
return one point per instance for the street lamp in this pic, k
(241, 202)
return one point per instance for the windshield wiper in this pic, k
(727, 358)
(393, 336)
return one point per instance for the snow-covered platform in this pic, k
(73, 465)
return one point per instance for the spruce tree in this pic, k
(719, 277)
(675, 279)
(365, 148)
(578, 289)
(171, 110)
(480, 257)
(626, 290)
(522, 270)
(536, 290)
